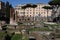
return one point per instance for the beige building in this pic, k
(32, 13)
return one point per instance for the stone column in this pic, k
(11, 16)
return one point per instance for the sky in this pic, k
(16, 2)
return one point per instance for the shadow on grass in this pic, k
(7, 37)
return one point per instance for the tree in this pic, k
(8, 6)
(2, 12)
(7, 9)
(47, 8)
(55, 4)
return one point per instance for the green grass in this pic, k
(17, 37)
(40, 29)
(26, 38)
(2, 35)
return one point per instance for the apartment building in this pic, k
(32, 14)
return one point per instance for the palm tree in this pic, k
(47, 8)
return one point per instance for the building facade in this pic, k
(32, 14)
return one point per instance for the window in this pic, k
(36, 12)
(35, 19)
(28, 18)
(27, 15)
(39, 8)
(30, 15)
(39, 14)
(19, 19)
(30, 12)
(22, 18)
(25, 19)
(27, 10)
(30, 9)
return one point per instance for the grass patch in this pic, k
(40, 29)
(17, 37)
(2, 35)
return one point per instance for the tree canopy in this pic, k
(34, 6)
(48, 7)
(29, 5)
(54, 2)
